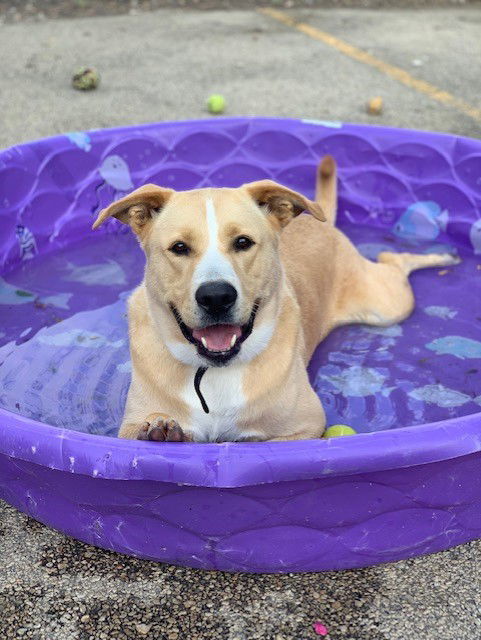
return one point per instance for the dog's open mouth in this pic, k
(218, 338)
(217, 342)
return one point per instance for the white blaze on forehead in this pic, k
(214, 265)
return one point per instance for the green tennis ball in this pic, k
(85, 79)
(216, 103)
(339, 430)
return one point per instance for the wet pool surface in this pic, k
(64, 357)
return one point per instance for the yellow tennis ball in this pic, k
(216, 103)
(339, 430)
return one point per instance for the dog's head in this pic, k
(212, 261)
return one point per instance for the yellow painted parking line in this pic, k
(402, 76)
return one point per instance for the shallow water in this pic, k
(64, 355)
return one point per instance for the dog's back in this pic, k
(333, 283)
(310, 251)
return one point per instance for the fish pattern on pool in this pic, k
(64, 357)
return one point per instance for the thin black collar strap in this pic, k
(198, 377)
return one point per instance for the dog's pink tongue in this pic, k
(219, 336)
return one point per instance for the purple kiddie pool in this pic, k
(408, 484)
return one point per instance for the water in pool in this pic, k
(64, 356)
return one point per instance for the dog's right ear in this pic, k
(138, 208)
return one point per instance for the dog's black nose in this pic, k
(216, 297)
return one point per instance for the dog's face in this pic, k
(212, 262)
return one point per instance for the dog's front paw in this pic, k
(162, 429)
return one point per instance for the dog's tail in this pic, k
(326, 187)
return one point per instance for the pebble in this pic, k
(375, 106)
(142, 628)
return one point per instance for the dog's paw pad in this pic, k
(143, 431)
(162, 430)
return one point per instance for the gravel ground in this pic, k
(55, 588)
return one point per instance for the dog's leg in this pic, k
(408, 262)
(305, 434)
(158, 427)
(379, 293)
(315, 434)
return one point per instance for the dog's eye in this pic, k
(242, 243)
(180, 249)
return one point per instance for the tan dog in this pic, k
(231, 309)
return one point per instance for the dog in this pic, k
(239, 289)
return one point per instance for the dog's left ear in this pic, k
(281, 202)
(136, 209)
